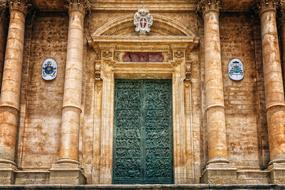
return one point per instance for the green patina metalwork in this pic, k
(143, 152)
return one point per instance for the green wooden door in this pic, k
(143, 132)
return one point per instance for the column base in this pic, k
(277, 172)
(7, 172)
(219, 173)
(67, 172)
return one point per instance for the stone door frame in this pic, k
(108, 67)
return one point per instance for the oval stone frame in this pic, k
(236, 69)
(49, 69)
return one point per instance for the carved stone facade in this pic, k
(183, 120)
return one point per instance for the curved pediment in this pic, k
(163, 26)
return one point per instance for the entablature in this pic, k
(157, 5)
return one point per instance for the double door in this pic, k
(143, 147)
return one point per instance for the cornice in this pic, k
(78, 5)
(133, 5)
(206, 6)
(19, 5)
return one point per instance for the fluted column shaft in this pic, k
(73, 83)
(274, 91)
(216, 129)
(11, 84)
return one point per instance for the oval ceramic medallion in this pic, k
(49, 69)
(236, 70)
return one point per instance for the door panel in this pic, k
(143, 132)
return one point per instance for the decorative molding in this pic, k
(179, 54)
(107, 54)
(157, 5)
(188, 71)
(78, 5)
(19, 5)
(267, 5)
(206, 6)
(98, 71)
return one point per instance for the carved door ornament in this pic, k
(143, 21)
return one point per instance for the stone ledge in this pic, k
(152, 187)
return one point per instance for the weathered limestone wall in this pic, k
(240, 97)
(41, 119)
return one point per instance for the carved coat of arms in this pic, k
(143, 21)
(49, 69)
(236, 70)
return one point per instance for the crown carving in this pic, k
(206, 6)
(267, 5)
(78, 5)
(19, 5)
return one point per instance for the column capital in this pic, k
(19, 5)
(78, 5)
(267, 5)
(206, 6)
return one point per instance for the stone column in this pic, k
(274, 92)
(282, 35)
(3, 35)
(10, 93)
(215, 111)
(67, 170)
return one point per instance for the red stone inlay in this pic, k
(143, 57)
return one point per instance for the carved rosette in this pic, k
(78, 5)
(19, 5)
(206, 6)
(267, 5)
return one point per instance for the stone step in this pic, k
(142, 187)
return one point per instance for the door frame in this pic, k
(176, 67)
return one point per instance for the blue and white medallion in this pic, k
(49, 69)
(236, 70)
